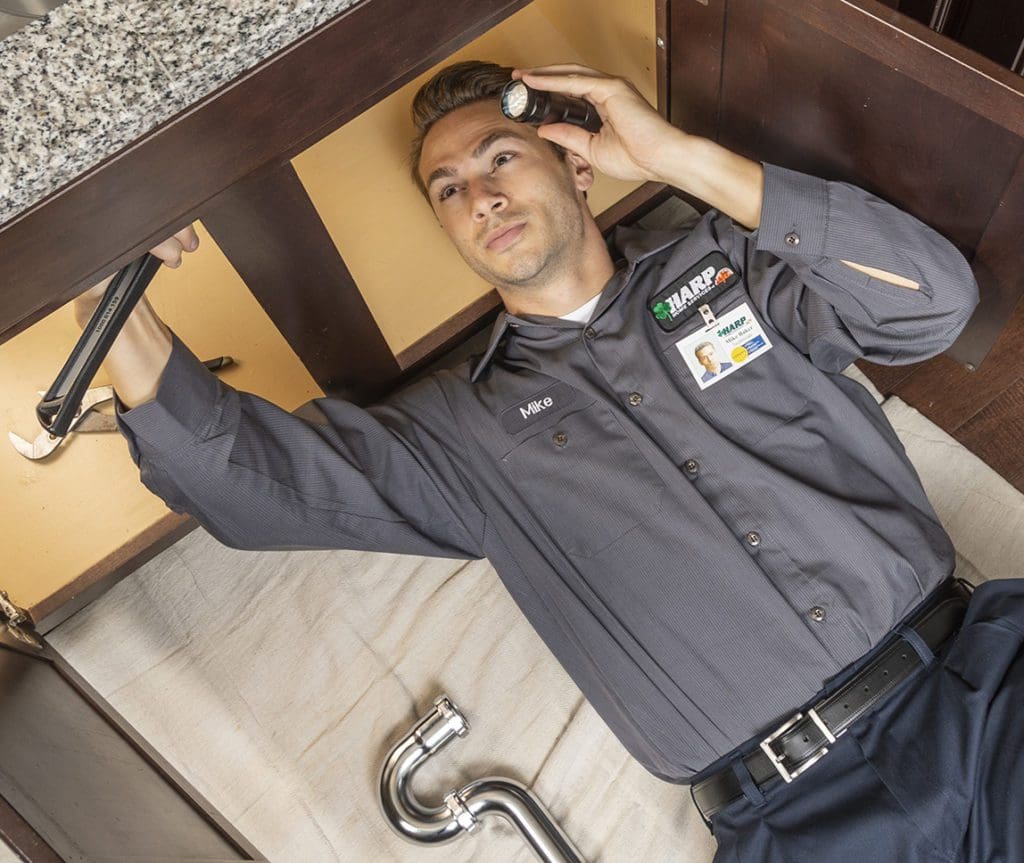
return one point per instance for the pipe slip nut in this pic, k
(460, 812)
(451, 715)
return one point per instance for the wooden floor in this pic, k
(984, 409)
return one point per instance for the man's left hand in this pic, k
(635, 139)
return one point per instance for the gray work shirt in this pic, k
(700, 560)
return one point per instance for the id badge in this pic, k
(724, 346)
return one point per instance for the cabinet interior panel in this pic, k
(64, 514)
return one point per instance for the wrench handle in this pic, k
(60, 404)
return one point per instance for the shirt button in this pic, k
(691, 466)
(590, 333)
(635, 399)
(753, 539)
(793, 238)
(818, 613)
(560, 438)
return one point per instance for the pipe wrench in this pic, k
(86, 419)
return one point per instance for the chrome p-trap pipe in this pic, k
(463, 809)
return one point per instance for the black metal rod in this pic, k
(1018, 61)
(940, 15)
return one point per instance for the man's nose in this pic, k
(487, 200)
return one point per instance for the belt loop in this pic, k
(911, 636)
(750, 789)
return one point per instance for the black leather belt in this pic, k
(804, 739)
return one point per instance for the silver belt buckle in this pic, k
(777, 758)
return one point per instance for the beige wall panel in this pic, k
(66, 513)
(411, 277)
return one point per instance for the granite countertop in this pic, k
(95, 75)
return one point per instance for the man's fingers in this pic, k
(559, 69)
(567, 135)
(597, 89)
(188, 238)
(170, 250)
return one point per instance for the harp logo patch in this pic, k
(698, 285)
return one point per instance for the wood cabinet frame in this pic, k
(853, 90)
(181, 170)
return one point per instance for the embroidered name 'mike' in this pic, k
(698, 285)
(536, 406)
(550, 401)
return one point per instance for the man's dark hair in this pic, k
(453, 87)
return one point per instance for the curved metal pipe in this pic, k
(462, 809)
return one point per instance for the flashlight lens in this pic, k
(514, 99)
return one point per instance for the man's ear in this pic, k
(583, 173)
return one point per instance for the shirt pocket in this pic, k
(755, 400)
(586, 479)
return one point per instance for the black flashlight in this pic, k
(537, 107)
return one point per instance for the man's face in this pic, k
(512, 207)
(706, 357)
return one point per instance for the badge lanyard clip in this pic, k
(708, 315)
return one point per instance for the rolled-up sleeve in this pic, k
(835, 313)
(339, 476)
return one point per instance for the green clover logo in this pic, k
(662, 311)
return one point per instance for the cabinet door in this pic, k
(853, 90)
(77, 784)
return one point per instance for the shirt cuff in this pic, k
(184, 406)
(794, 214)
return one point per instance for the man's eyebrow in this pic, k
(494, 137)
(478, 151)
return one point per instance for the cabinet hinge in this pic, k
(15, 619)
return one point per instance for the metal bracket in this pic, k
(13, 617)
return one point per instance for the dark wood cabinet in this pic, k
(859, 92)
(77, 783)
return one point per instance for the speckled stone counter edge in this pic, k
(96, 75)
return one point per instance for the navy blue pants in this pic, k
(936, 773)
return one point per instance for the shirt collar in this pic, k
(628, 245)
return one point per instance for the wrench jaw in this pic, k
(40, 448)
(21, 445)
(45, 443)
(86, 419)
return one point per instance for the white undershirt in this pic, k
(583, 313)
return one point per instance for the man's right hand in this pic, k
(169, 251)
(140, 352)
